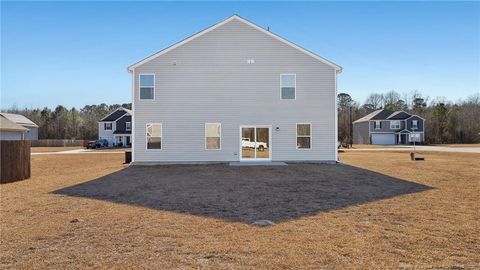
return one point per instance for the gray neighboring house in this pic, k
(387, 128)
(9, 131)
(116, 127)
(234, 92)
(31, 133)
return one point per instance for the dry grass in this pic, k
(54, 149)
(459, 145)
(437, 228)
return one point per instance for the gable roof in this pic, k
(399, 115)
(235, 17)
(381, 114)
(19, 119)
(115, 115)
(7, 125)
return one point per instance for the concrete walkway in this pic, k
(421, 148)
(78, 151)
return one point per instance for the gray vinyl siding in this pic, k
(386, 126)
(360, 133)
(420, 123)
(10, 135)
(31, 134)
(212, 82)
(121, 124)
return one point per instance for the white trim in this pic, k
(205, 138)
(234, 17)
(336, 118)
(412, 115)
(375, 124)
(255, 150)
(126, 126)
(392, 121)
(139, 86)
(105, 127)
(303, 136)
(161, 137)
(132, 139)
(295, 86)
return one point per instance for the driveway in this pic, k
(244, 194)
(421, 148)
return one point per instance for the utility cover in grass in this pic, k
(263, 223)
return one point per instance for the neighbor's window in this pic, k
(107, 126)
(154, 136)
(213, 134)
(304, 136)
(394, 124)
(128, 126)
(288, 84)
(414, 124)
(377, 125)
(147, 86)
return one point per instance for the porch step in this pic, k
(258, 163)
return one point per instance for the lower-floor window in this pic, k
(304, 136)
(154, 136)
(213, 133)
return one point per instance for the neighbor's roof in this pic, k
(115, 115)
(381, 114)
(19, 119)
(399, 115)
(235, 17)
(8, 125)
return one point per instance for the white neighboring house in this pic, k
(234, 92)
(9, 131)
(116, 127)
(31, 133)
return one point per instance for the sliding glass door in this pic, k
(255, 143)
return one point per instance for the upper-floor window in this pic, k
(414, 124)
(377, 125)
(288, 84)
(213, 133)
(107, 126)
(304, 136)
(154, 136)
(128, 126)
(395, 124)
(147, 86)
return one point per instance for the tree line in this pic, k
(445, 121)
(64, 123)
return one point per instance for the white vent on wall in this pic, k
(250, 61)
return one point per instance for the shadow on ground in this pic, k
(244, 194)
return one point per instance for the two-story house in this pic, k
(116, 128)
(234, 92)
(385, 127)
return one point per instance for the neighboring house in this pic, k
(385, 127)
(116, 127)
(234, 92)
(32, 129)
(9, 131)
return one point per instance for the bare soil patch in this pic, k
(435, 227)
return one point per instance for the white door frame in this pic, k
(255, 150)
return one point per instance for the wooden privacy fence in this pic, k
(15, 161)
(58, 143)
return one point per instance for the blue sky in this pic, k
(74, 53)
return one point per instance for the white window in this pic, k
(128, 126)
(154, 136)
(107, 126)
(213, 134)
(395, 124)
(304, 136)
(147, 86)
(288, 84)
(414, 124)
(377, 124)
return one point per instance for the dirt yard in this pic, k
(380, 211)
